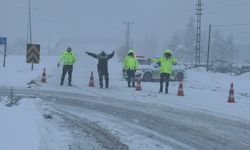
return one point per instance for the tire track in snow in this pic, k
(103, 137)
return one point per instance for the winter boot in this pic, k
(160, 91)
(166, 90)
(133, 84)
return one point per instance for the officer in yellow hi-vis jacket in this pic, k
(130, 64)
(166, 62)
(68, 58)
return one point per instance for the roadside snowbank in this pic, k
(19, 126)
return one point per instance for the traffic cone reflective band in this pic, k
(91, 80)
(180, 90)
(231, 94)
(43, 78)
(138, 85)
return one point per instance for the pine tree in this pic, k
(222, 48)
(175, 41)
(189, 39)
(230, 47)
(217, 46)
(150, 45)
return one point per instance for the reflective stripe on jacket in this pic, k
(68, 58)
(130, 63)
(166, 64)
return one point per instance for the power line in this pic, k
(232, 25)
(226, 17)
(242, 33)
(227, 2)
(236, 10)
(229, 5)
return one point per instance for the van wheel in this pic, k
(147, 77)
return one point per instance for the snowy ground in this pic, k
(204, 93)
(18, 125)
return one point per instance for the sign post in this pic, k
(33, 54)
(3, 41)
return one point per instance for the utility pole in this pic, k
(5, 53)
(29, 32)
(208, 48)
(127, 34)
(49, 41)
(198, 33)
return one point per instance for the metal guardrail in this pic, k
(244, 69)
(230, 69)
(233, 70)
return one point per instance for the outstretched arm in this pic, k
(174, 61)
(111, 55)
(136, 64)
(92, 54)
(154, 60)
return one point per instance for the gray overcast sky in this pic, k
(103, 18)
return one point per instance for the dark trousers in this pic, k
(67, 69)
(164, 77)
(106, 77)
(131, 77)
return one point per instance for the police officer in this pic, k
(166, 62)
(130, 65)
(102, 66)
(68, 58)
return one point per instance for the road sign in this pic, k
(33, 53)
(3, 40)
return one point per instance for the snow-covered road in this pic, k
(170, 128)
(120, 117)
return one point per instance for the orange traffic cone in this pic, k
(180, 90)
(91, 80)
(43, 78)
(231, 94)
(138, 85)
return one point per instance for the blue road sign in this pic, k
(3, 40)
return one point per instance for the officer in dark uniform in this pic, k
(102, 66)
